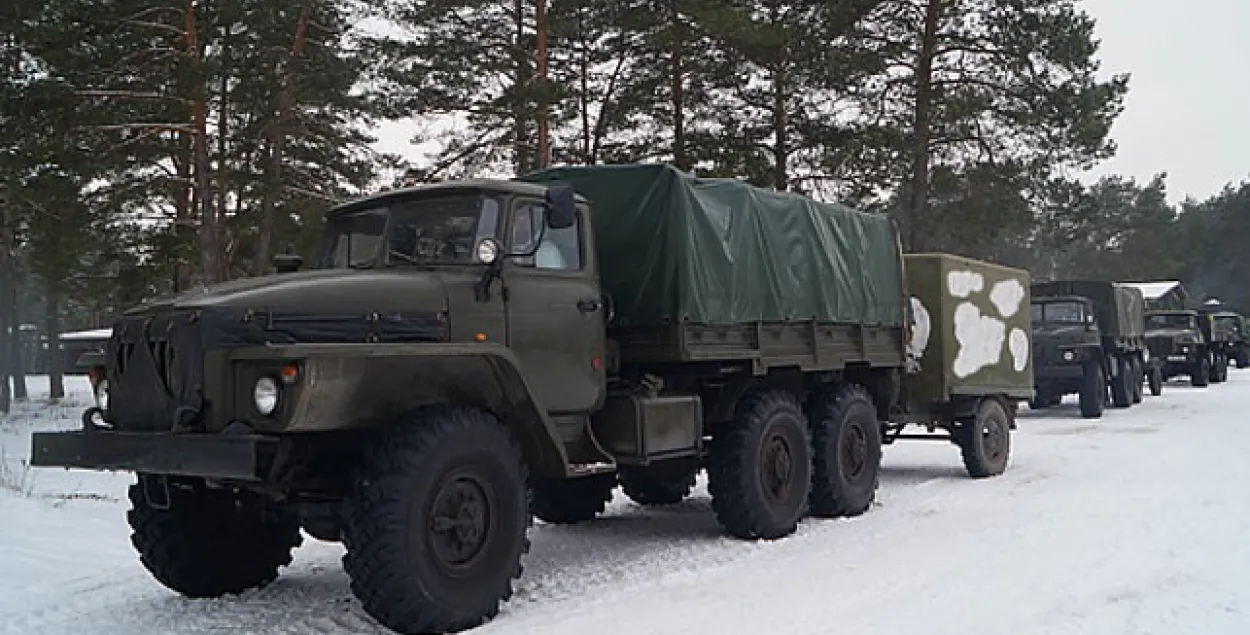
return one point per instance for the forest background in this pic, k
(148, 146)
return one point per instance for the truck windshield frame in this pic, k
(1170, 321)
(1059, 312)
(442, 229)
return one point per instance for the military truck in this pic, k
(1089, 335)
(468, 353)
(1176, 338)
(1239, 350)
(1225, 329)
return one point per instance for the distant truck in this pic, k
(1088, 335)
(461, 343)
(1177, 339)
(1226, 330)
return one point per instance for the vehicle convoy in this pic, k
(1089, 335)
(1226, 330)
(466, 354)
(1176, 338)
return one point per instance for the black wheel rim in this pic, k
(853, 451)
(777, 466)
(460, 522)
(993, 437)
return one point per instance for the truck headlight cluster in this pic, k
(265, 395)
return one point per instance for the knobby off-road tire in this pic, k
(1200, 374)
(1156, 381)
(1219, 373)
(211, 542)
(985, 440)
(667, 483)
(571, 501)
(760, 467)
(435, 526)
(1093, 391)
(1139, 378)
(846, 451)
(1122, 383)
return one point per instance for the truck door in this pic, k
(555, 312)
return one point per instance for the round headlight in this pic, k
(102, 394)
(1068, 356)
(265, 395)
(487, 251)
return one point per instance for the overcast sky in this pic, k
(1188, 107)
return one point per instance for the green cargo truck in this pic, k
(1225, 330)
(1176, 338)
(1089, 335)
(469, 353)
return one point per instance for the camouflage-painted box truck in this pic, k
(969, 353)
(466, 354)
(1089, 335)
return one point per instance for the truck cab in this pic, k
(1176, 338)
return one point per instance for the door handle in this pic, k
(587, 305)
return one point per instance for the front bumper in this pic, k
(237, 457)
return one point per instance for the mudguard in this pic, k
(357, 385)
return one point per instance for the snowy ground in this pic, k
(1134, 524)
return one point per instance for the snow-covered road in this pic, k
(1138, 523)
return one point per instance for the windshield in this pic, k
(1170, 321)
(1059, 312)
(426, 231)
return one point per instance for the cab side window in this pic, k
(559, 249)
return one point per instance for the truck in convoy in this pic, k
(1226, 330)
(466, 355)
(1088, 335)
(1177, 339)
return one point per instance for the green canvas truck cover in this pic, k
(971, 331)
(676, 248)
(1120, 309)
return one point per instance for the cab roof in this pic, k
(498, 186)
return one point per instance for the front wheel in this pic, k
(1156, 381)
(1093, 391)
(1138, 377)
(1200, 375)
(204, 542)
(435, 526)
(759, 468)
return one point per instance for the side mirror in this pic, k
(561, 203)
(287, 263)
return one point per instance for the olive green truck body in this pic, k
(477, 351)
(1089, 339)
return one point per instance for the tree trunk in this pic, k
(918, 204)
(6, 366)
(520, 116)
(781, 148)
(17, 365)
(677, 87)
(52, 327)
(544, 142)
(277, 147)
